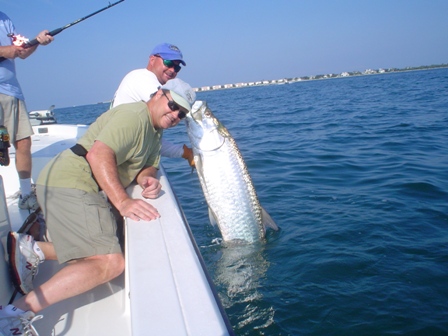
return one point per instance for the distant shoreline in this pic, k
(367, 72)
(317, 77)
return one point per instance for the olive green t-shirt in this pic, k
(127, 129)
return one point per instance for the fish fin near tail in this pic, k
(197, 162)
(268, 222)
(212, 217)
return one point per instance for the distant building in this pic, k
(369, 72)
(306, 78)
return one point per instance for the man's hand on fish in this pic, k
(189, 156)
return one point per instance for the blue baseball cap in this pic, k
(169, 52)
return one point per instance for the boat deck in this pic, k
(165, 289)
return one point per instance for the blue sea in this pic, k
(355, 173)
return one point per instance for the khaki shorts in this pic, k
(14, 117)
(80, 224)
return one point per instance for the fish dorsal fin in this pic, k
(268, 222)
(212, 217)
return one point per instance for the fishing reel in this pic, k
(19, 40)
(4, 145)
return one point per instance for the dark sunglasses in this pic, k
(174, 107)
(170, 64)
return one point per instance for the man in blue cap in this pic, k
(164, 64)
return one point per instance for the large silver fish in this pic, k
(226, 183)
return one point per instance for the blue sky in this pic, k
(222, 41)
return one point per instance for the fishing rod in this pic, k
(58, 30)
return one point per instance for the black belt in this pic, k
(81, 151)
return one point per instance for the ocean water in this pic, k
(355, 173)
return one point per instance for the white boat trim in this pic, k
(42, 117)
(165, 290)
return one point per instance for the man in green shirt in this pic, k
(121, 147)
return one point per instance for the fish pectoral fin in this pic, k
(268, 222)
(197, 162)
(212, 217)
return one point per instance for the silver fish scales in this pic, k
(226, 183)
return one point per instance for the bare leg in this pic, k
(23, 157)
(76, 278)
(48, 250)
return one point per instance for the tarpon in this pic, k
(228, 189)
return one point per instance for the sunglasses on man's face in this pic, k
(174, 107)
(170, 64)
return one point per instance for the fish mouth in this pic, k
(200, 129)
(194, 121)
(195, 113)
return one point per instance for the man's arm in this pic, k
(102, 161)
(147, 179)
(10, 51)
(42, 38)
